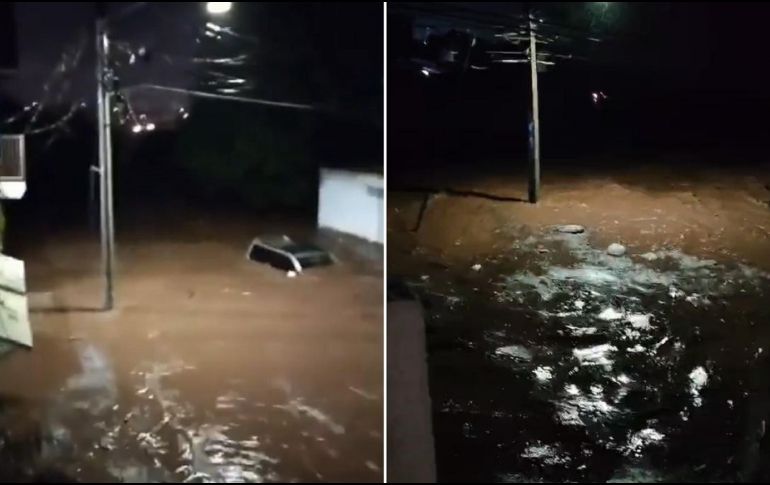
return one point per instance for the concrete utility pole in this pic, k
(534, 115)
(103, 94)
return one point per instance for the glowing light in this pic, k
(218, 8)
(425, 72)
(212, 26)
(598, 96)
(185, 116)
(137, 128)
(149, 126)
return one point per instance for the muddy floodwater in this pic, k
(577, 365)
(212, 368)
(552, 360)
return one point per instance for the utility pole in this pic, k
(104, 111)
(534, 115)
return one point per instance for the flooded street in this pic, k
(212, 368)
(552, 360)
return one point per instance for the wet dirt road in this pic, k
(211, 368)
(551, 360)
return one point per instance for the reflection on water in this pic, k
(561, 362)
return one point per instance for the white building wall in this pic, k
(352, 202)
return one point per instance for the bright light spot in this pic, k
(425, 72)
(149, 126)
(137, 128)
(598, 96)
(212, 26)
(185, 116)
(218, 7)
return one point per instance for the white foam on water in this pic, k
(640, 440)
(515, 351)
(640, 321)
(366, 395)
(581, 331)
(610, 314)
(543, 373)
(549, 455)
(623, 379)
(596, 355)
(698, 380)
(577, 407)
(298, 408)
(674, 292)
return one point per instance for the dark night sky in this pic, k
(45, 28)
(678, 76)
(173, 35)
(719, 45)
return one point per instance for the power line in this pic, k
(203, 94)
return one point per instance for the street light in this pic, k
(104, 113)
(218, 8)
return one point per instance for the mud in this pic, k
(212, 368)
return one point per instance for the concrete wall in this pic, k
(352, 202)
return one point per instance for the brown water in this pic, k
(552, 361)
(211, 368)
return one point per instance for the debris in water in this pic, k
(616, 249)
(636, 349)
(476, 267)
(730, 403)
(515, 351)
(570, 229)
(649, 256)
(543, 374)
